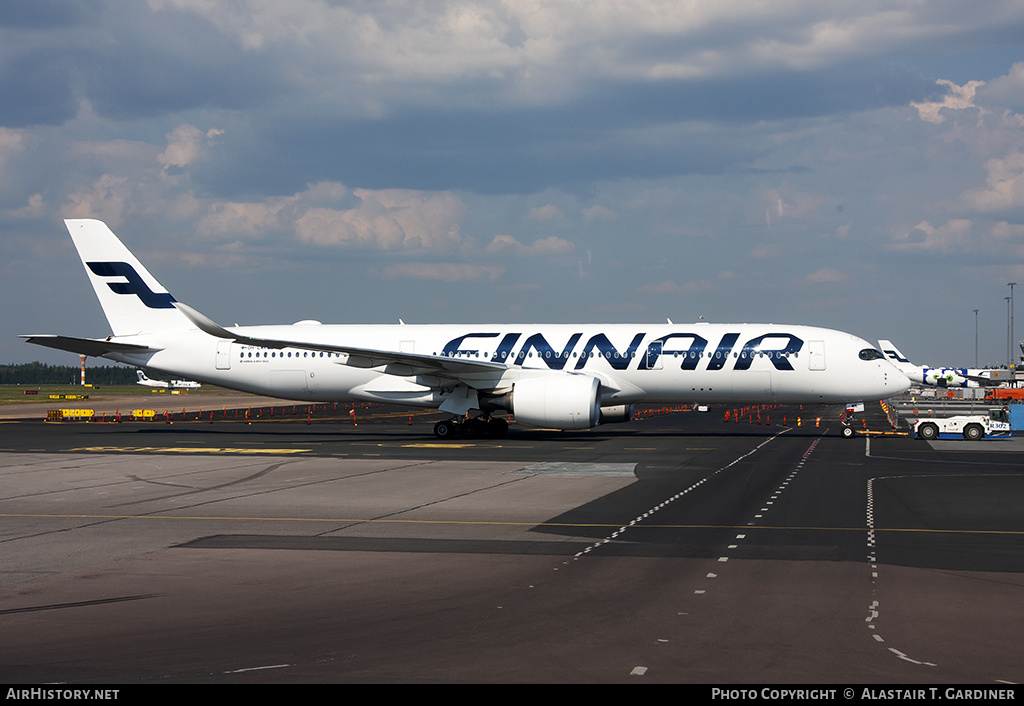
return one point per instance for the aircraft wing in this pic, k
(392, 362)
(85, 346)
(982, 380)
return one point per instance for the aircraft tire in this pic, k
(847, 432)
(497, 426)
(472, 428)
(444, 429)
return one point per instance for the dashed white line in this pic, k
(873, 609)
(675, 497)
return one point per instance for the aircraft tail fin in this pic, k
(891, 352)
(132, 299)
(893, 355)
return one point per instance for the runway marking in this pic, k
(77, 604)
(187, 449)
(873, 609)
(445, 445)
(702, 481)
(773, 498)
(555, 468)
(256, 669)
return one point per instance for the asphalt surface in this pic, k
(314, 546)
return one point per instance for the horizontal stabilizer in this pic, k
(85, 346)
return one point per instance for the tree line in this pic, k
(37, 373)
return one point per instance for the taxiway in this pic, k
(677, 548)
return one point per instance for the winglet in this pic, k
(203, 322)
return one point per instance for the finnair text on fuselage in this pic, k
(599, 345)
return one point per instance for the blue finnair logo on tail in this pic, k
(134, 284)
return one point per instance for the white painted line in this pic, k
(256, 669)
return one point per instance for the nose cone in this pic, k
(879, 374)
(899, 382)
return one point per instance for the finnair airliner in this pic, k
(944, 377)
(552, 376)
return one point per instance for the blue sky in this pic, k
(858, 165)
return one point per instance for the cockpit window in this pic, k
(871, 354)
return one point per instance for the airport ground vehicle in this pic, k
(968, 426)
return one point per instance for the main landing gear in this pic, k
(470, 427)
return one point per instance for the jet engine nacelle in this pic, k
(557, 401)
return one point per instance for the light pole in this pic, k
(1008, 358)
(1011, 285)
(975, 338)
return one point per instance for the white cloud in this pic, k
(1004, 186)
(35, 208)
(964, 239)
(598, 213)
(12, 142)
(671, 288)
(1008, 239)
(107, 199)
(958, 98)
(442, 271)
(249, 220)
(362, 55)
(826, 275)
(390, 219)
(186, 145)
(550, 212)
(1005, 90)
(544, 247)
(955, 235)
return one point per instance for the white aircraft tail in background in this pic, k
(942, 377)
(566, 376)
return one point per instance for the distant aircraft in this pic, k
(942, 377)
(173, 384)
(573, 376)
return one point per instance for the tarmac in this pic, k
(322, 546)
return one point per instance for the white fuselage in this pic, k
(658, 363)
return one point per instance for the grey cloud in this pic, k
(37, 90)
(530, 148)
